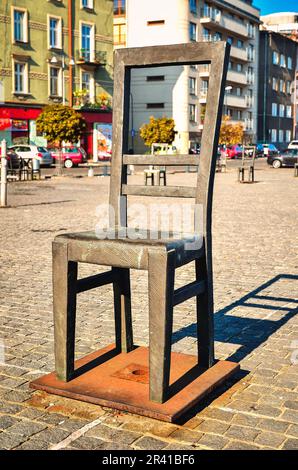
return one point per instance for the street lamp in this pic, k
(71, 63)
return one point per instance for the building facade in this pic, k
(57, 52)
(278, 62)
(182, 94)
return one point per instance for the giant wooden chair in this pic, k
(159, 257)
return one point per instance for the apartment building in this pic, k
(278, 62)
(51, 50)
(182, 94)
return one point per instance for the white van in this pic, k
(293, 144)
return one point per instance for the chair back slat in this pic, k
(159, 191)
(164, 160)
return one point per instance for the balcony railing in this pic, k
(209, 15)
(87, 56)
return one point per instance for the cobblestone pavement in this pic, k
(256, 279)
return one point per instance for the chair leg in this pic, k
(205, 320)
(161, 275)
(64, 297)
(122, 307)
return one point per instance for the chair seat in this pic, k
(119, 248)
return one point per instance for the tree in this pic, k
(158, 130)
(60, 123)
(230, 134)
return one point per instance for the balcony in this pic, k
(235, 101)
(89, 57)
(240, 54)
(237, 77)
(204, 71)
(209, 17)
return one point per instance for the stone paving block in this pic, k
(290, 444)
(53, 435)
(10, 441)
(270, 439)
(293, 430)
(187, 436)
(290, 415)
(273, 425)
(238, 445)
(7, 421)
(149, 443)
(111, 434)
(27, 428)
(213, 426)
(213, 441)
(33, 444)
(242, 433)
(88, 443)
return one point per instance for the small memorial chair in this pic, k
(160, 257)
(247, 165)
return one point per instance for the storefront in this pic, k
(18, 126)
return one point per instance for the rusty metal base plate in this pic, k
(121, 381)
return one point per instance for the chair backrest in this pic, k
(215, 54)
(248, 155)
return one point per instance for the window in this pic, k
(281, 135)
(87, 41)
(119, 7)
(274, 109)
(274, 84)
(87, 83)
(155, 22)
(282, 110)
(239, 91)
(275, 58)
(217, 36)
(192, 86)
(239, 115)
(193, 7)
(239, 67)
(240, 44)
(120, 34)
(273, 135)
(288, 87)
(155, 105)
(288, 136)
(230, 40)
(55, 32)
(87, 4)
(192, 31)
(155, 78)
(206, 34)
(251, 52)
(20, 25)
(55, 81)
(282, 84)
(20, 77)
(282, 60)
(204, 87)
(290, 63)
(289, 111)
(192, 112)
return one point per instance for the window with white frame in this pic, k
(273, 135)
(55, 81)
(290, 63)
(274, 109)
(281, 110)
(288, 136)
(274, 83)
(193, 6)
(87, 41)
(20, 82)
(87, 83)
(275, 58)
(281, 85)
(20, 25)
(192, 85)
(55, 32)
(288, 87)
(192, 112)
(289, 111)
(282, 60)
(87, 4)
(281, 135)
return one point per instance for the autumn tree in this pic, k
(158, 130)
(59, 123)
(230, 134)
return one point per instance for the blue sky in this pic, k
(273, 6)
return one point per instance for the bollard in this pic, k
(90, 171)
(3, 174)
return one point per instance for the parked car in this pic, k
(286, 158)
(293, 144)
(234, 151)
(33, 151)
(266, 149)
(71, 155)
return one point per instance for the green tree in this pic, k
(230, 134)
(158, 130)
(59, 123)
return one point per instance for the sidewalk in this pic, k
(255, 231)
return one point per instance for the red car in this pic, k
(72, 156)
(234, 151)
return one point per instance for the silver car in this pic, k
(33, 151)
